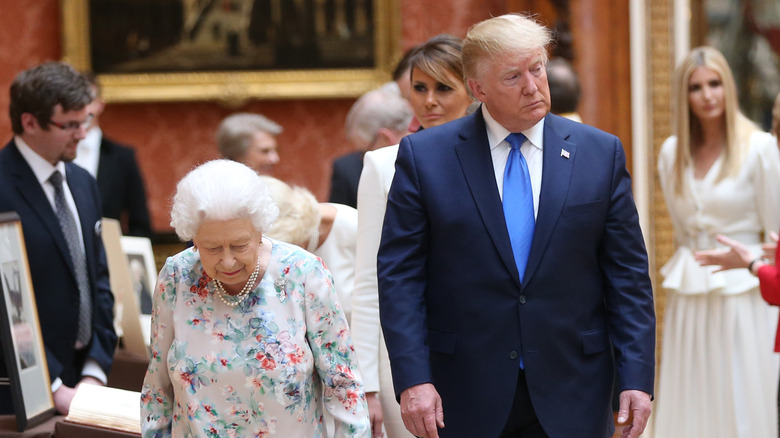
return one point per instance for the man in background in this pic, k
(59, 206)
(114, 165)
(379, 118)
(250, 139)
(564, 89)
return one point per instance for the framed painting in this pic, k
(232, 50)
(20, 332)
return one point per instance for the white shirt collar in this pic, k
(497, 133)
(40, 167)
(88, 152)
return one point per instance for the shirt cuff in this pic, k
(92, 369)
(55, 385)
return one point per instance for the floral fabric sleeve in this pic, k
(334, 354)
(157, 395)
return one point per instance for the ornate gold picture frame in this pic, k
(334, 75)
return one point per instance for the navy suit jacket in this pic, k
(345, 178)
(454, 312)
(122, 188)
(53, 277)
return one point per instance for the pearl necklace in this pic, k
(235, 300)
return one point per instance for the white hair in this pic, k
(235, 133)
(221, 190)
(377, 109)
(299, 212)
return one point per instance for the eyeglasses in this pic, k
(73, 126)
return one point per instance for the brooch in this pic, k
(281, 285)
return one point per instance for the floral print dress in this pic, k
(266, 367)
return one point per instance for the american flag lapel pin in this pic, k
(564, 153)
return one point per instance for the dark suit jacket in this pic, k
(345, 178)
(122, 188)
(53, 277)
(454, 312)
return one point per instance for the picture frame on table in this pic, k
(20, 333)
(232, 50)
(143, 273)
(128, 321)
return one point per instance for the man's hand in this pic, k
(89, 380)
(421, 410)
(636, 405)
(375, 414)
(62, 398)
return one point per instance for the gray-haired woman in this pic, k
(248, 338)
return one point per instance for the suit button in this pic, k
(513, 354)
(522, 299)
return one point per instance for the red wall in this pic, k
(170, 138)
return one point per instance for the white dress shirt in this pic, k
(43, 170)
(88, 152)
(531, 150)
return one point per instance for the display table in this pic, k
(43, 430)
(128, 370)
(64, 429)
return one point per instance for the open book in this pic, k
(102, 406)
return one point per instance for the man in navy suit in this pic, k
(481, 343)
(49, 115)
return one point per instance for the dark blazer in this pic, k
(53, 277)
(345, 178)
(122, 188)
(454, 312)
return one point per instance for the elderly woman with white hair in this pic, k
(248, 337)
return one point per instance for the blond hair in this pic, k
(299, 212)
(518, 34)
(738, 128)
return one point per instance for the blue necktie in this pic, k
(518, 199)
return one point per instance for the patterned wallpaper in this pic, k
(170, 138)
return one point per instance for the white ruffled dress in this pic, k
(719, 374)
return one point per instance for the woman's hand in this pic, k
(738, 256)
(375, 413)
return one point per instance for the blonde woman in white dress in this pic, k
(720, 175)
(438, 96)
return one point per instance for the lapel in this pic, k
(556, 177)
(473, 152)
(31, 192)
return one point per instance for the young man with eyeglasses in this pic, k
(59, 206)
